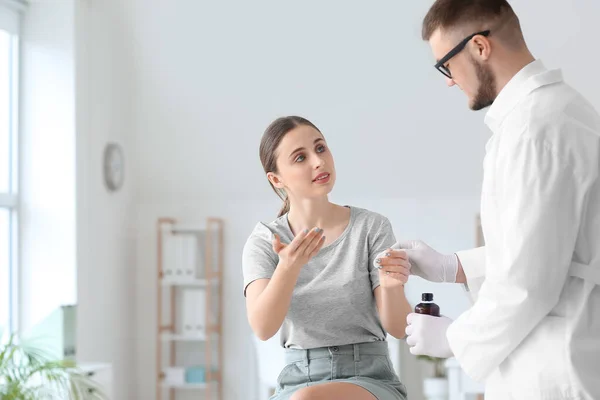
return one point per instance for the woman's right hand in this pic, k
(299, 252)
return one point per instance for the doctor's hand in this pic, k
(427, 335)
(428, 263)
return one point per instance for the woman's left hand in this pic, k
(394, 268)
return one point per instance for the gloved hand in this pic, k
(427, 335)
(428, 263)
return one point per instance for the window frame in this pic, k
(10, 16)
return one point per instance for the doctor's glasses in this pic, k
(459, 47)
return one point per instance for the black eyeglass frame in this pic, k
(459, 47)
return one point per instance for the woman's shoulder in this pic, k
(259, 244)
(264, 231)
(365, 217)
(373, 226)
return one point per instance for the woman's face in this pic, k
(304, 164)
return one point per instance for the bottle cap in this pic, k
(427, 297)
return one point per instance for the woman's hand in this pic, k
(394, 268)
(298, 253)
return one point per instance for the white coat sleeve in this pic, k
(473, 264)
(538, 202)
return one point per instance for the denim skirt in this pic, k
(367, 365)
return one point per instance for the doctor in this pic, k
(533, 331)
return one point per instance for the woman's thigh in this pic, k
(333, 391)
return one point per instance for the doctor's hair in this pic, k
(269, 144)
(470, 16)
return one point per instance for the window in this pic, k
(5, 270)
(8, 166)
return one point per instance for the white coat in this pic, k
(533, 331)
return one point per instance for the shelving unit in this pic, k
(189, 266)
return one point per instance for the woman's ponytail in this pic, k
(285, 208)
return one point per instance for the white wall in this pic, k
(105, 241)
(47, 181)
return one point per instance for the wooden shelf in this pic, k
(200, 283)
(173, 337)
(184, 228)
(191, 386)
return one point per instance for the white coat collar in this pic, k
(534, 75)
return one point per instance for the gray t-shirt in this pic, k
(333, 301)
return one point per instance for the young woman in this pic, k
(325, 275)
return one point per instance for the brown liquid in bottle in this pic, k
(427, 306)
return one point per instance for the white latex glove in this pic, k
(428, 263)
(427, 335)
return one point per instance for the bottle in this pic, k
(428, 306)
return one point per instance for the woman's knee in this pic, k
(333, 391)
(312, 393)
(304, 394)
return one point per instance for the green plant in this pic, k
(439, 371)
(28, 373)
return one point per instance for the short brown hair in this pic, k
(453, 14)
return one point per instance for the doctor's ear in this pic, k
(481, 48)
(275, 180)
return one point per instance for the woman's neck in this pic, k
(308, 214)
